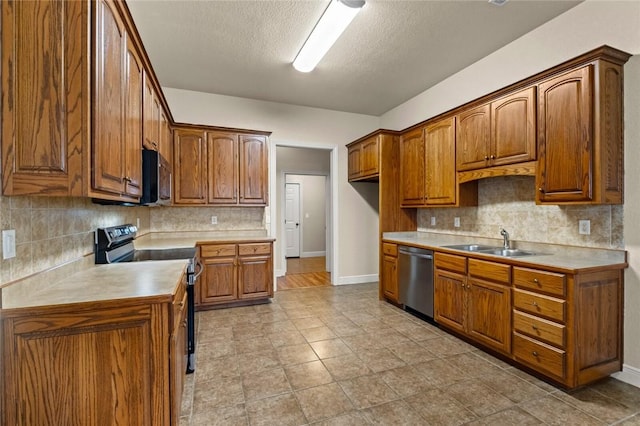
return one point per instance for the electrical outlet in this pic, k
(456, 222)
(214, 220)
(584, 227)
(433, 221)
(8, 244)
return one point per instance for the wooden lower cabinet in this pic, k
(235, 272)
(566, 326)
(111, 362)
(473, 297)
(389, 276)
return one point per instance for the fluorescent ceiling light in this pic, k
(335, 19)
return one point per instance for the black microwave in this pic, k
(156, 179)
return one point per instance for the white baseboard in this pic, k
(279, 273)
(356, 279)
(629, 375)
(313, 253)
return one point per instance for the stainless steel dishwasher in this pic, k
(415, 279)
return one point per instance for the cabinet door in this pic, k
(222, 167)
(565, 137)
(440, 157)
(255, 277)
(513, 129)
(44, 108)
(254, 175)
(473, 134)
(108, 146)
(412, 169)
(354, 161)
(189, 168)
(178, 359)
(151, 116)
(390, 277)
(133, 122)
(489, 314)
(370, 157)
(218, 282)
(450, 299)
(166, 142)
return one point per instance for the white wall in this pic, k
(582, 28)
(304, 127)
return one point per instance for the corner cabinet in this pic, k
(580, 135)
(219, 167)
(235, 273)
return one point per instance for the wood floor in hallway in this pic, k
(305, 272)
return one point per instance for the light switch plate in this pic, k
(584, 227)
(433, 221)
(456, 222)
(8, 243)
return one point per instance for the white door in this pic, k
(292, 219)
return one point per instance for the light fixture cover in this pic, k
(335, 19)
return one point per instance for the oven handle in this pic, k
(197, 274)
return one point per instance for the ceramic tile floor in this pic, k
(338, 356)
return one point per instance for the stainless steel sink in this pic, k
(472, 247)
(496, 251)
(507, 252)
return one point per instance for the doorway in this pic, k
(302, 217)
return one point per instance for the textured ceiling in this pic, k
(392, 51)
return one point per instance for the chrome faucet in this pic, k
(505, 236)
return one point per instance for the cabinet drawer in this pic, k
(451, 262)
(539, 328)
(218, 250)
(546, 282)
(538, 355)
(537, 304)
(490, 271)
(249, 249)
(390, 249)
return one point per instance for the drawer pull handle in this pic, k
(534, 303)
(534, 353)
(535, 280)
(535, 327)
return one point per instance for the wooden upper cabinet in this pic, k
(513, 128)
(133, 121)
(440, 154)
(222, 162)
(254, 176)
(151, 116)
(109, 84)
(580, 136)
(498, 133)
(190, 165)
(166, 139)
(473, 136)
(364, 160)
(44, 107)
(412, 169)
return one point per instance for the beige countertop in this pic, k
(159, 240)
(569, 259)
(100, 283)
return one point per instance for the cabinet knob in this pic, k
(486, 157)
(535, 280)
(534, 303)
(541, 190)
(535, 327)
(534, 353)
(493, 157)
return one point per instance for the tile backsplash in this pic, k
(168, 219)
(509, 202)
(51, 231)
